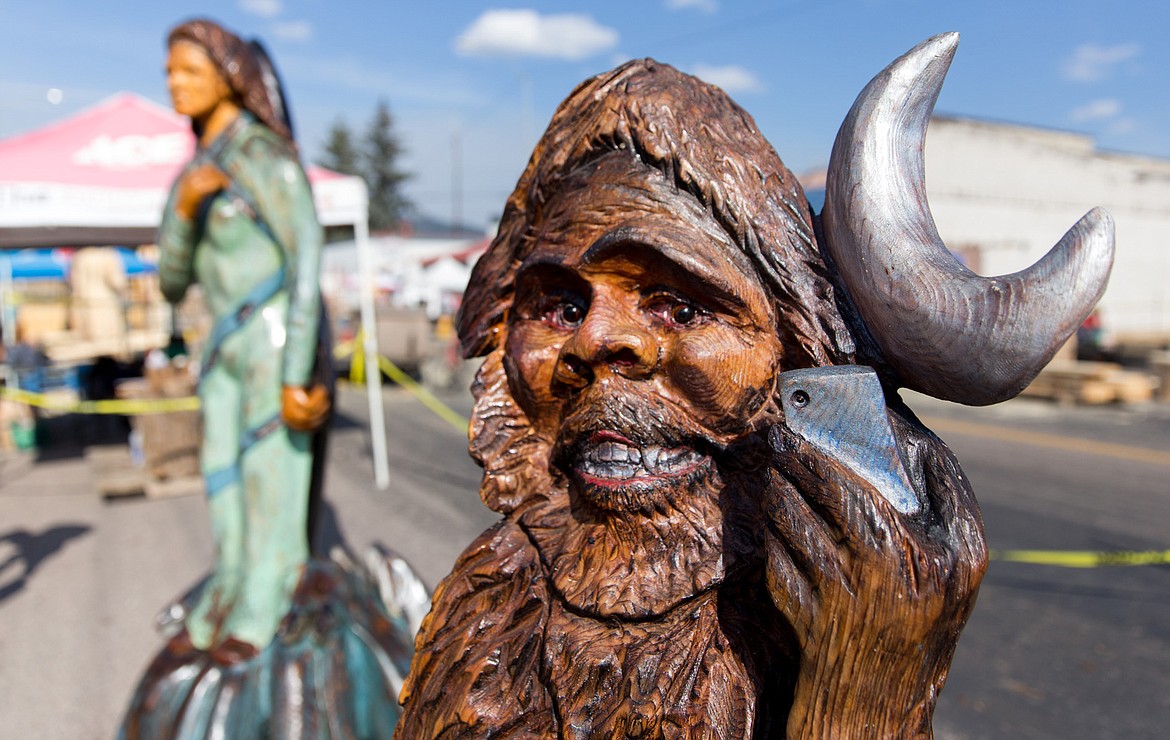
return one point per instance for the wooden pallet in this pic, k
(1078, 382)
(116, 476)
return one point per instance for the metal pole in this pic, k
(7, 301)
(361, 238)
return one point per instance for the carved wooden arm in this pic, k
(877, 598)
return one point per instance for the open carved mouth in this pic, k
(610, 461)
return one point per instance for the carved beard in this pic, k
(636, 559)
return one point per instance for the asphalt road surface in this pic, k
(1058, 652)
(1050, 651)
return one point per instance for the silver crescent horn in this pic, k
(945, 330)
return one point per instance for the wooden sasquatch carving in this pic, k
(673, 560)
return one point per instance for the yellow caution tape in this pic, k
(123, 407)
(423, 395)
(344, 349)
(357, 374)
(1057, 558)
(1082, 559)
(138, 407)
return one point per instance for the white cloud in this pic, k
(262, 8)
(1108, 112)
(293, 30)
(1123, 126)
(352, 75)
(732, 78)
(1098, 110)
(527, 33)
(707, 6)
(1092, 62)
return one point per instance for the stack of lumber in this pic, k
(66, 346)
(1072, 381)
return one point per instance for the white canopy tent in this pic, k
(101, 177)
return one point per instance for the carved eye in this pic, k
(569, 313)
(683, 313)
(675, 309)
(562, 309)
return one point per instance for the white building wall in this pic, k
(1010, 192)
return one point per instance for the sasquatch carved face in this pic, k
(640, 344)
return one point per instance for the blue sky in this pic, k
(482, 78)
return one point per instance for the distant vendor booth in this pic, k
(100, 178)
(64, 307)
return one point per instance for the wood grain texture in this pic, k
(673, 562)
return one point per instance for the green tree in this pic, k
(340, 153)
(380, 167)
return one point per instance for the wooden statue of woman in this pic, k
(274, 639)
(241, 223)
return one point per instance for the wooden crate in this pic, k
(170, 441)
(1072, 381)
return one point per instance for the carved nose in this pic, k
(606, 339)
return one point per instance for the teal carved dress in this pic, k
(322, 645)
(256, 256)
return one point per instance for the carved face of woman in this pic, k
(194, 82)
(640, 340)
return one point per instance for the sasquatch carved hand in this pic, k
(305, 409)
(876, 598)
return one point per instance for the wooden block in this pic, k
(121, 483)
(1067, 382)
(114, 473)
(188, 485)
(1095, 392)
(69, 348)
(35, 320)
(1134, 388)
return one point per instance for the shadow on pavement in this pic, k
(31, 551)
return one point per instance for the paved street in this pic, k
(81, 579)
(1055, 652)
(1050, 652)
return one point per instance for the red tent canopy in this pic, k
(102, 176)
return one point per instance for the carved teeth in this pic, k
(616, 452)
(615, 460)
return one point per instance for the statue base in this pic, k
(334, 668)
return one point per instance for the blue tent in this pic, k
(53, 264)
(46, 264)
(37, 264)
